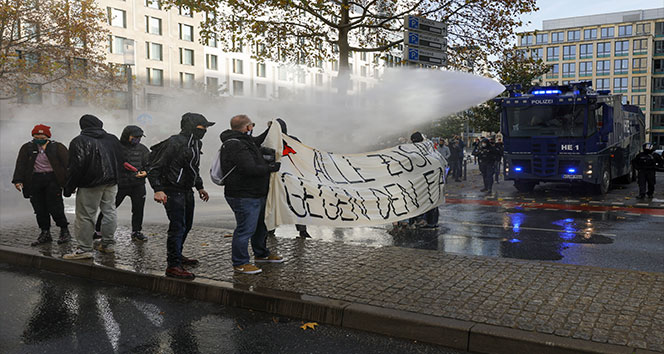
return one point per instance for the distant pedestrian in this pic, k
(95, 157)
(456, 158)
(41, 168)
(475, 145)
(486, 156)
(498, 144)
(131, 182)
(646, 163)
(246, 192)
(173, 172)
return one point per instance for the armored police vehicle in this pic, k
(569, 133)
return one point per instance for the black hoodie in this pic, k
(136, 155)
(175, 164)
(95, 157)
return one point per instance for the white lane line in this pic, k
(467, 223)
(633, 214)
(598, 211)
(658, 216)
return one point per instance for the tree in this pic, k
(55, 43)
(308, 32)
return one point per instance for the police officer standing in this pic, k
(487, 156)
(645, 164)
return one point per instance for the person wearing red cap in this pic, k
(40, 173)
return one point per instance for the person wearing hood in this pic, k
(95, 157)
(487, 155)
(40, 172)
(245, 191)
(173, 172)
(131, 182)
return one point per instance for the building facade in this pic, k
(622, 52)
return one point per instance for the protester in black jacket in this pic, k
(40, 172)
(95, 157)
(487, 156)
(246, 191)
(646, 163)
(132, 180)
(173, 172)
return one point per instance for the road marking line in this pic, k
(659, 216)
(551, 209)
(633, 214)
(597, 212)
(468, 223)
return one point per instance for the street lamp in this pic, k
(129, 60)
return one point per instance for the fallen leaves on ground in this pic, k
(311, 325)
(228, 235)
(204, 244)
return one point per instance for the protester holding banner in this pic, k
(246, 189)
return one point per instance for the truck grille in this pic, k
(544, 148)
(544, 165)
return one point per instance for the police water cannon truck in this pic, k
(569, 133)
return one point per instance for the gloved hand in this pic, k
(67, 192)
(274, 167)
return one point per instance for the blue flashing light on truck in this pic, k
(569, 133)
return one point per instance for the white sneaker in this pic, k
(78, 254)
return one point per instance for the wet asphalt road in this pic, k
(44, 312)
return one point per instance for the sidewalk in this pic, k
(479, 304)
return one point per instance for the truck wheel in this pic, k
(604, 182)
(525, 187)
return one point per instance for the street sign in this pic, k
(426, 56)
(424, 25)
(425, 40)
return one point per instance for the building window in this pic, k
(639, 100)
(640, 46)
(261, 90)
(603, 84)
(569, 52)
(624, 30)
(153, 4)
(658, 121)
(542, 38)
(620, 66)
(79, 97)
(537, 53)
(622, 48)
(211, 61)
(363, 56)
(186, 11)
(186, 80)
(639, 83)
(659, 47)
(586, 68)
(116, 45)
(283, 74)
(260, 70)
(620, 84)
(212, 41)
(212, 84)
(607, 32)
(658, 102)
(552, 53)
(585, 51)
(154, 51)
(238, 88)
(569, 69)
(527, 39)
(603, 49)
(590, 33)
(155, 77)
(573, 35)
(658, 66)
(363, 70)
(659, 28)
(186, 32)
(335, 65)
(643, 28)
(117, 17)
(657, 84)
(30, 94)
(554, 71)
(238, 66)
(639, 65)
(152, 25)
(557, 37)
(186, 56)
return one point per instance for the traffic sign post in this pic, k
(425, 41)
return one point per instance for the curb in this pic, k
(452, 333)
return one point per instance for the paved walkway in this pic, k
(597, 305)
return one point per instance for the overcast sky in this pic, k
(553, 9)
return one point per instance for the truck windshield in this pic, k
(553, 120)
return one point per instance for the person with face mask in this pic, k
(487, 155)
(646, 163)
(245, 191)
(173, 172)
(131, 182)
(40, 173)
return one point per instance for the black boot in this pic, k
(138, 236)
(44, 237)
(65, 236)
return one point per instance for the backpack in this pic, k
(216, 174)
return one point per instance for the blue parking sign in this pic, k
(413, 54)
(413, 22)
(413, 38)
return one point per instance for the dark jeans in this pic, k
(488, 170)
(137, 196)
(180, 211)
(46, 200)
(455, 167)
(431, 216)
(250, 224)
(646, 177)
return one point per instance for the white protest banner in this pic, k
(344, 190)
